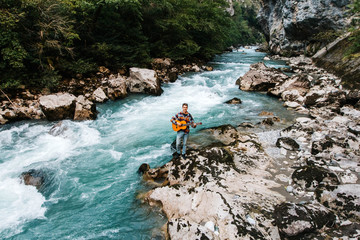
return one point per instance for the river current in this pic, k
(91, 168)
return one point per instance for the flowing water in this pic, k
(91, 167)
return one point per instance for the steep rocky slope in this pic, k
(290, 26)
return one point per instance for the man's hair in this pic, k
(185, 104)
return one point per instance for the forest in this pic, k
(44, 41)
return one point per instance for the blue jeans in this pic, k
(184, 136)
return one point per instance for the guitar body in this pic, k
(177, 128)
(183, 126)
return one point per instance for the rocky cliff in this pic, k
(291, 27)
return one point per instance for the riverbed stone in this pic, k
(234, 101)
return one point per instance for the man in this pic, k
(183, 134)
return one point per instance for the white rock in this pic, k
(99, 95)
(210, 225)
(303, 120)
(291, 104)
(142, 80)
(289, 189)
(250, 220)
(341, 120)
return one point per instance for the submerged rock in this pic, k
(234, 101)
(58, 129)
(34, 178)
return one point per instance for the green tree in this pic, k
(12, 51)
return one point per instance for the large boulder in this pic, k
(293, 88)
(143, 80)
(260, 78)
(58, 106)
(295, 219)
(221, 191)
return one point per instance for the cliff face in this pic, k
(290, 25)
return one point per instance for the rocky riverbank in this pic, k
(76, 98)
(235, 189)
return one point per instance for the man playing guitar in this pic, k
(181, 123)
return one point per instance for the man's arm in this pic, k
(173, 120)
(192, 122)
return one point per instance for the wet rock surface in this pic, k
(34, 177)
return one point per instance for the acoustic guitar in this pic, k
(183, 126)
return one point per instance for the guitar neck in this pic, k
(188, 124)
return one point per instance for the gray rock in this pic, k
(58, 129)
(117, 88)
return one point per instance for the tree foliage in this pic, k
(42, 41)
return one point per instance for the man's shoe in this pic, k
(183, 156)
(176, 155)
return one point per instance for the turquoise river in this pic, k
(91, 168)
